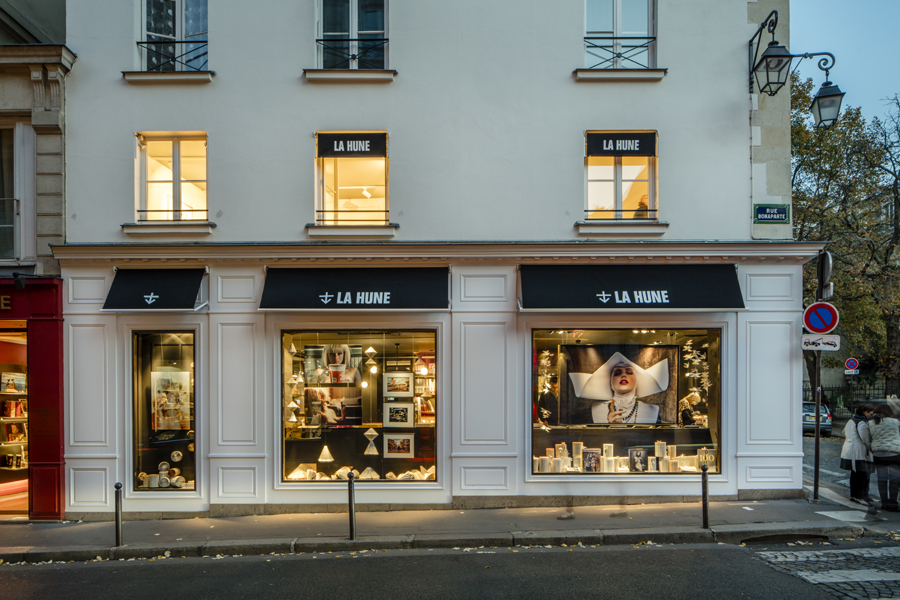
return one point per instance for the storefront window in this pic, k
(164, 411)
(14, 418)
(362, 403)
(625, 401)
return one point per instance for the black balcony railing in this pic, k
(163, 215)
(642, 214)
(359, 53)
(160, 56)
(351, 217)
(620, 52)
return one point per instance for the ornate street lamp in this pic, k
(773, 68)
(826, 106)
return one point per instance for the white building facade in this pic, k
(492, 254)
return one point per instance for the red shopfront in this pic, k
(31, 398)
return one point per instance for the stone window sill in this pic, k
(349, 75)
(650, 75)
(636, 228)
(352, 231)
(168, 77)
(169, 227)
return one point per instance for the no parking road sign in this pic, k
(820, 317)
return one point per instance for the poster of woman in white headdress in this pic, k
(619, 384)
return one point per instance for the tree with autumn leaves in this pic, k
(846, 192)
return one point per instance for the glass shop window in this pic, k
(164, 409)
(352, 171)
(621, 176)
(626, 401)
(359, 402)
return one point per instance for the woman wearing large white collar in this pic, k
(618, 384)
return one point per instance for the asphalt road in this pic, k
(672, 572)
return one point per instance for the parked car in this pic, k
(809, 419)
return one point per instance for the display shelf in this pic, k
(13, 419)
(13, 393)
(25, 468)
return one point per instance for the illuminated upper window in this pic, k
(174, 178)
(352, 179)
(621, 175)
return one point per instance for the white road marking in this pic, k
(854, 516)
(826, 471)
(843, 575)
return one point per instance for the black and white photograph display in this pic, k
(638, 460)
(618, 384)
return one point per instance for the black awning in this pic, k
(412, 288)
(618, 287)
(154, 289)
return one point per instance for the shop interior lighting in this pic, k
(325, 456)
(370, 352)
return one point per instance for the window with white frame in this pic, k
(619, 34)
(173, 177)
(18, 241)
(352, 173)
(175, 35)
(353, 34)
(621, 175)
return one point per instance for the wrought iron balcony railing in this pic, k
(8, 218)
(641, 214)
(351, 217)
(162, 215)
(620, 52)
(171, 55)
(358, 53)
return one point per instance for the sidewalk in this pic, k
(730, 523)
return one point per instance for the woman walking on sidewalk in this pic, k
(885, 432)
(855, 454)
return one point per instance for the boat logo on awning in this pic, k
(150, 298)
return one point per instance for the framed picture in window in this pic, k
(398, 384)
(399, 414)
(16, 432)
(171, 400)
(13, 383)
(399, 445)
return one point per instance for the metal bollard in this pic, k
(352, 501)
(118, 515)
(704, 482)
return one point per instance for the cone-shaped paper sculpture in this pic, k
(371, 449)
(292, 418)
(292, 405)
(326, 455)
(371, 434)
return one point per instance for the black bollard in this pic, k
(704, 479)
(118, 515)
(352, 501)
